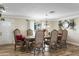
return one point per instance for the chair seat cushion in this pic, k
(19, 37)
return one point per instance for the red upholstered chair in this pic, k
(19, 40)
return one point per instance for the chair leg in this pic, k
(43, 50)
(22, 47)
(50, 49)
(34, 52)
(15, 47)
(38, 51)
(55, 47)
(65, 45)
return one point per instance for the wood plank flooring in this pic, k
(8, 50)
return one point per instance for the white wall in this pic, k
(73, 35)
(7, 27)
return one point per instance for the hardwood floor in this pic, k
(8, 50)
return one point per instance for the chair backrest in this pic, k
(64, 35)
(39, 36)
(29, 32)
(60, 31)
(46, 33)
(54, 35)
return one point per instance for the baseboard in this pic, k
(73, 43)
(6, 44)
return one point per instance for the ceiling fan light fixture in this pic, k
(0, 14)
(2, 19)
(2, 9)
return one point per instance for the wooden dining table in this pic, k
(32, 38)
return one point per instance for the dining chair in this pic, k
(64, 38)
(29, 32)
(53, 41)
(46, 34)
(17, 42)
(60, 31)
(39, 38)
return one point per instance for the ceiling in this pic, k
(39, 10)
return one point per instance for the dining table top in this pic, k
(33, 37)
(45, 37)
(30, 37)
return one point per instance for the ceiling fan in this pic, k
(2, 9)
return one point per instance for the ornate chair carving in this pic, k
(64, 38)
(46, 34)
(53, 42)
(60, 31)
(29, 32)
(39, 37)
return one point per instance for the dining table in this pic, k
(32, 38)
